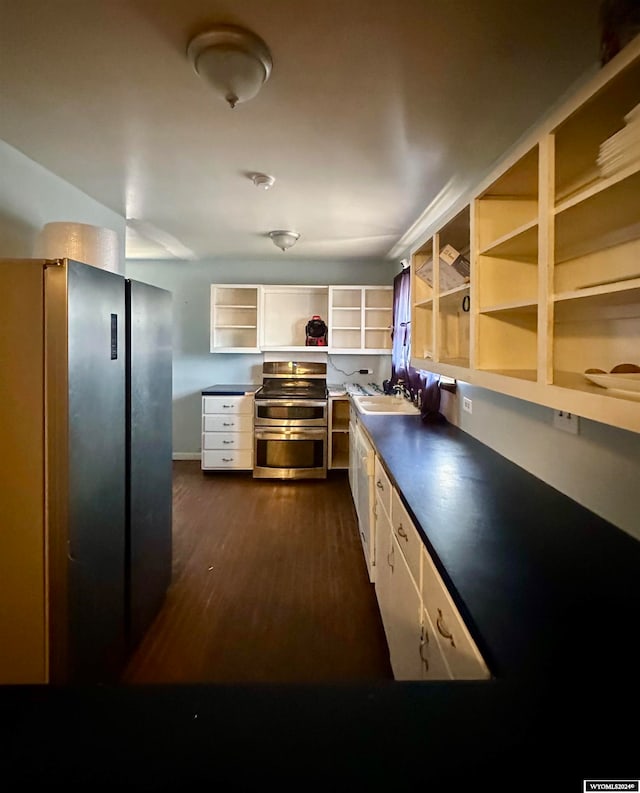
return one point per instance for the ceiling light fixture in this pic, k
(262, 180)
(284, 239)
(233, 60)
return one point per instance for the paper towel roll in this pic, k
(80, 241)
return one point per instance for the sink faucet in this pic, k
(401, 390)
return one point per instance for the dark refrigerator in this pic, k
(85, 506)
(149, 452)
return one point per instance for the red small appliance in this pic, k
(316, 332)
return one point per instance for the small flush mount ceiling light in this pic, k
(233, 60)
(284, 239)
(262, 180)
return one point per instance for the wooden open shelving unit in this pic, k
(554, 246)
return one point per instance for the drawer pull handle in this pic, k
(227, 406)
(424, 641)
(228, 442)
(227, 459)
(390, 558)
(402, 533)
(443, 630)
(379, 485)
(228, 424)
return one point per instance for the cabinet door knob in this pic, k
(379, 485)
(402, 533)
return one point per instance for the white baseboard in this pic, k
(187, 456)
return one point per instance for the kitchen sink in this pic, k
(385, 404)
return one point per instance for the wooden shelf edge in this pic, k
(593, 187)
(511, 236)
(584, 401)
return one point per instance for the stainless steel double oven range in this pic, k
(290, 421)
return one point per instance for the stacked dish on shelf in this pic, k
(624, 377)
(623, 148)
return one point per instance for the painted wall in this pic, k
(599, 467)
(195, 368)
(31, 196)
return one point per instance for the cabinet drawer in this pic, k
(227, 404)
(459, 649)
(218, 458)
(408, 539)
(227, 440)
(219, 422)
(434, 666)
(382, 485)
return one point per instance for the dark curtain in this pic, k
(424, 387)
(401, 330)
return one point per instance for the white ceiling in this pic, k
(374, 109)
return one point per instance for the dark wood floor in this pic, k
(269, 585)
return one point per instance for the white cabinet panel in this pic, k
(382, 486)
(238, 422)
(405, 532)
(462, 655)
(405, 607)
(227, 404)
(434, 665)
(220, 459)
(227, 432)
(227, 440)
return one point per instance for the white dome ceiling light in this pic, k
(284, 239)
(262, 180)
(234, 61)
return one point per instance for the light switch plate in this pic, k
(467, 405)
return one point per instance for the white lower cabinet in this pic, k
(227, 432)
(459, 649)
(425, 633)
(365, 498)
(384, 566)
(405, 610)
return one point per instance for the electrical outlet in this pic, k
(568, 422)
(366, 371)
(467, 405)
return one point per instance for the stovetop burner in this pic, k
(293, 380)
(278, 389)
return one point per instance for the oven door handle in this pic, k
(299, 432)
(290, 403)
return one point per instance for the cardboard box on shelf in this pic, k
(455, 270)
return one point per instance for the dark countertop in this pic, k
(552, 595)
(230, 390)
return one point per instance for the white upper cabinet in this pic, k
(253, 318)
(360, 319)
(285, 313)
(235, 318)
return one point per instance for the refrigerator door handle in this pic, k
(70, 555)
